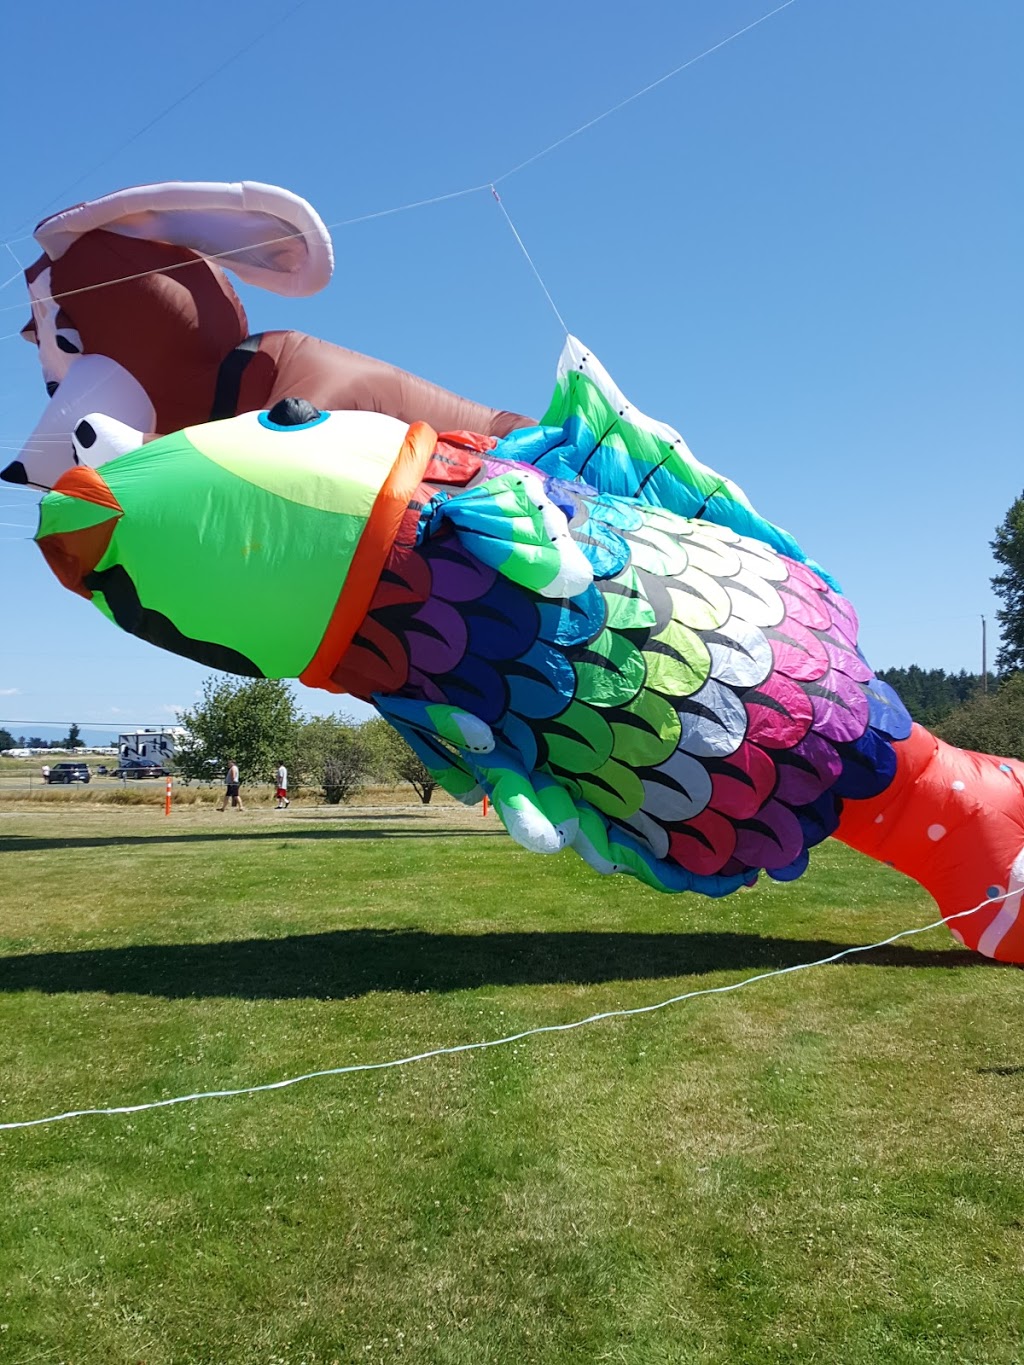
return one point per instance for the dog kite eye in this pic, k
(69, 342)
(51, 387)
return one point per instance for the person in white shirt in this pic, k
(231, 791)
(281, 777)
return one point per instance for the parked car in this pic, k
(140, 767)
(65, 773)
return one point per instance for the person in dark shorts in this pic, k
(231, 790)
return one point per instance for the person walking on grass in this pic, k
(281, 777)
(231, 790)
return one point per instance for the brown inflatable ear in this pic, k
(267, 236)
(163, 312)
(32, 273)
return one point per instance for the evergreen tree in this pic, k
(932, 694)
(1008, 550)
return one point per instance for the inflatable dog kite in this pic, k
(134, 317)
(579, 620)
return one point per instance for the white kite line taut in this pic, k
(418, 203)
(499, 1042)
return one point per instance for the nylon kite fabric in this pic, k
(579, 620)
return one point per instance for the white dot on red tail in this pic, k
(936, 832)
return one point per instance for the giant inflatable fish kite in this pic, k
(579, 620)
(134, 317)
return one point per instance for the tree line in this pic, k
(931, 694)
(72, 740)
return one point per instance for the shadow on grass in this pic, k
(352, 962)
(280, 834)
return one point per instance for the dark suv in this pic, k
(69, 772)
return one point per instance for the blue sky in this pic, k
(803, 251)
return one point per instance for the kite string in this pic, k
(234, 251)
(175, 103)
(508, 1038)
(454, 194)
(639, 93)
(18, 273)
(363, 218)
(522, 246)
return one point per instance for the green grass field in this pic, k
(821, 1167)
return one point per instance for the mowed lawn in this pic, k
(826, 1166)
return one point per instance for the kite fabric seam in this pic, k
(454, 194)
(499, 1042)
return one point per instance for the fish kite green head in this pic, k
(251, 545)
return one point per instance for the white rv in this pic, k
(155, 745)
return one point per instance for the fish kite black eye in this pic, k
(293, 412)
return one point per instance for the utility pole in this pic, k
(984, 661)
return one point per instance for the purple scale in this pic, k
(773, 838)
(808, 769)
(842, 656)
(456, 578)
(422, 688)
(840, 707)
(435, 638)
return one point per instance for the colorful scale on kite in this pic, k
(579, 620)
